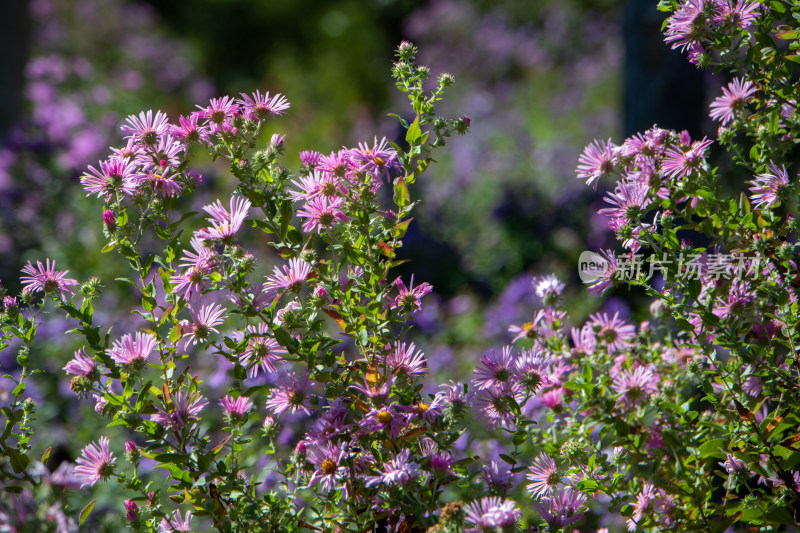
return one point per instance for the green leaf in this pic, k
(508, 459)
(86, 510)
(713, 448)
(19, 461)
(401, 196)
(414, 132)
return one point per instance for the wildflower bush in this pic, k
(686, 422)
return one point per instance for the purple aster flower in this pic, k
(604, 280)
(734, 465)
(530, 372)
(399, 471)
(643, 504)
(310, 158)
(388, 418)
(636, 385)
(176, 523)
(377, 160)
(767, 187)
(612, 331)
(219, 112)
(291, 394)
(454, 396)
(544, 477)
(491, 514)
(733, 99)
(189, 131)
(406, 359)
(179, 410)
(321, 212)
(678, 164)
(336, 164)
(562, 508)
(330, 470)
(291, 279)
(548, 288)
(131, 511)
(596, 161)
(115, 175)
(262, 107)
(95, 463)
(688, 25)
(316, 184)
(147, 128)
(133, 352)
(734, 16)
(529, 330)
(203, 322)
(262, 351)
(162, 182)
(629, 201)
(82, 365)
(753, 386)
(497, 474)
(495, 370)
(497, 407)
(408, 299)
(377, 393)
(225, 225)
(236, 408)
(46, 279)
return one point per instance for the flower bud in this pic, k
(22, 356)
(132, 511)
(132, 452)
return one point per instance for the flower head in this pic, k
(491, 514)
(82, 365)
(292, 393)
(733, 98)
(262, 107)
(408, 299)
(225, 225)
(133, 352)
(181, 408)
(291, 279)
(767, 187)
(203, 322)
(596, 161)
(95, 463)
(544, 477)
(46, 279)
(115, 175)
(321, 212)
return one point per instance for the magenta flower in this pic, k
(262, 107)
(291, 279)
(262, 351)
(497, 474)
(203, 323)
(562, 508)
(291, 394)
(678, 164)
(596, 161)
(528, 330)
(236, 408)
(530, 372)
(544, 477)
(316, 184)
(491, 514)
(46, 279)
(612, 331)
(225, 225)
(741, 15)
(379, 159)
(628, 201)
(643, 504)
(495, 370)
(337, 163)
(189, 131)
(496, 407)
(734, 465)
(388, 418)
(406, 359)
(399, 471)
(147, 128)
(330, 470)
(182, 408)
(408, 299)
(604, 280)
(95, 463)
(115, 175)
(733, 99)
(219, 112)
(133, 353)
(321, 212)
(636, 385)
(688, 25)
(162, 182)
(176, 523)
(82, 365)
(767, 187)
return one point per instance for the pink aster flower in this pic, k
(310, 158)
(203, 322)
(82, 365)
(742, 14)
(406, 359)
(220, 111)
(180, 410)
(530, 372)
(604, 280)
(643, 503)
(377, 160)
(635, 385)
(529, 330)
(45, 278)
(336, 164)
(147, 128)
(628, 201)
(262, 107)
(176, 523)
(495, 370)
(678, 164)
(95, 463)
(292, 393)
(408, 299)
(733, 99)
(132, 352)
(767, 187)
(115, 175)
(491, 514)
(331, 470)
(262, 351)
(388, 418)
(291, 279)
(399, 471)
(543, 476)
(321, 212)
(596, 161)
(316, 184)
(561, 509)
(688, 25)
(224, 224)
(159, 158)
(497, 474)
(162, 182)
(612, 331)
(236, 408)
(189, 131)
(496, 407)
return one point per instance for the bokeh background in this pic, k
(539, 79)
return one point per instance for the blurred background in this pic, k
(540, 79)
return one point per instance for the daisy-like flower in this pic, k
(291, 279)
(189, 281)
(612, 331)
(454, 396)
(45, 278)
(375, 392)
(399, 471)
(543, 476)
(377, 160)
(636, 385)
(262, 107)
(596, 161)
(219, 111)
(583, 340)
(189, 131)
(321, 212)
(82, 365)
(336, 164)
(95, 463)
(734, 465)
(548, 288)
(688, 25)
(162, 156)
(496, 407)
(497, 474)
(406, 359)
(753, 386)
(262, 351)
(133, 352)
(330, 469)
(724, 108)
(176, 523)
(408, 299)
(204, 258)
(629, 201)
(388, 418)
(236, 408)
(203, 322)
(491, 514)
(115, 175)
(310, 158)
(147, 128)
(767, 187)
(530, 372)
(496, 370)
(643, 504)
(604, 280)
(292, 393)
(316, 184)
(162, 182)
(225, 225)
(742, 14)
(678, 164)
(528, 330)
(561, 509)
(178, 412)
